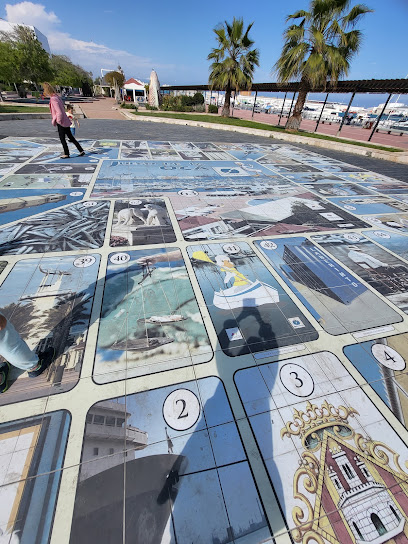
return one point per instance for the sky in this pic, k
(175, 38)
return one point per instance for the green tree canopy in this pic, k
(319, 48)
(234, 60)
(112, 77)
(68, 74)
(25, 60)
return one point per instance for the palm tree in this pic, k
(319, 48)
(233, 60)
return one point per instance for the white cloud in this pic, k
(90, 55)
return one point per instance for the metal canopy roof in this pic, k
(394, 86)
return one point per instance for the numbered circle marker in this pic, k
(135, 202)
(89, 204)
(348, 207)
(76, 193)
(119, 258)
(85, 261)
(388, 357)
(268, 245)
(381, 234)
(181, 409)
(296, 380)
(231, 249)
(352, 237)
(187, 192)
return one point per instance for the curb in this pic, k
(398, 157)
(23, 116)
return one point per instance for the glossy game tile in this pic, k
(385, 273)
(38, 181)
(382, 363)
(139, 222)
(340, 441)
(369, 205)
(78, 226)
(19, 204)
(337, 189)
(29, 488)
(244, 300)
(397, 243)
(311, 177)
(55, 168)
(150, 320)
(51, 311)
(177, 465)
(335, 298)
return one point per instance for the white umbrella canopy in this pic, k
(154, 90)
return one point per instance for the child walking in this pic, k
(72, 118)
(61, 121)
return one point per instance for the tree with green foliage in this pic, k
(234, 60)
(116, 80)
(319, 48)
(68, 74)
(30, 62)
(115, 77)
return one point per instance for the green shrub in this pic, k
(198, 99)
(212, 108)
(149, 107)
(129, 106)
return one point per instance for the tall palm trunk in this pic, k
(227, 103)
(295, 119)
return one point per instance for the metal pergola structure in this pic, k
(356, 86)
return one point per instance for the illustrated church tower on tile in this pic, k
(366, 505)
(359, 493)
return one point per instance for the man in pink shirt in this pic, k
(61, 121)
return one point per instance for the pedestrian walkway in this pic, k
(348, 131)
(103, 108)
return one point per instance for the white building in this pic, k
(8, 28)
(135, 90)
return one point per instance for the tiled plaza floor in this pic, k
(229, 323)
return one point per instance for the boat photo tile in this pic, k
(39, 181)
(139, 222)
(18, 204)
(383, 271)
(395, 242)
(337, 189)
(55, 168)
(150, 319)
(374, 204)
(383, 364)
(49, 302)
(183, 478)
(249, 309)
(336, 298)
(32, 453)
(77, 226)
(401, 198)
(334, 477)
